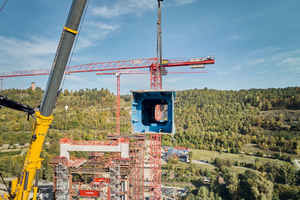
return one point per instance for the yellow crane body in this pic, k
(21, 188)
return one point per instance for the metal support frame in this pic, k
(1, 84)
(62, 182)
(118, 103)
(114, 172)
(138, 176)
(159, 48)
(155, 166)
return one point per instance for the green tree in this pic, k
(203, 192)
(262, 189)
(245, 183)
(22, 141)
(191, 156)
(17, 170)
(232, 181)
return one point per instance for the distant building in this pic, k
(221, 180)
(33, 86)
(183, 157)
(206, 180)
(180, 155)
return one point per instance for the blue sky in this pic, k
(256, 43)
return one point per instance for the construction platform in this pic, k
(114, 169)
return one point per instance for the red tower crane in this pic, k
(116, 65)
(118, 75)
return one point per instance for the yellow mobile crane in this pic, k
(21, 187)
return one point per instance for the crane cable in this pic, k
(73, 49)
(3, 5)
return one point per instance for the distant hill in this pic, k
(205, 118)
(214, 119)
(90, 115)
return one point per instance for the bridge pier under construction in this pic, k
(114, 169)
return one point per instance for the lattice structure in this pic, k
(155, 81)
(118, 104)
(155, 166)
(114, 173)
(109, 172)
(138, 176)
(62, 182)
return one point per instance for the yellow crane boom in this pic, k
(22, 187)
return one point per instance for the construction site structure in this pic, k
(103, 175)
(28, 182)
(117, 65)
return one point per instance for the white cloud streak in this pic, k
(124, 7)
(288, 61)
(237, 67)
(75, 78)
(262, 72)
(31, 53)
(93, 32)
(256, 61)
(182, 2)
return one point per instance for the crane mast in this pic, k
(21, 188)
(159, 49)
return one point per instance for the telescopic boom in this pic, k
(21, 188)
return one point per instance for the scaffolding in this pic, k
(138, 176)
(155, 167)
(62, 181)
(114, 173)
(103, 175)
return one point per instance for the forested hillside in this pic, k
(214, 119)
(90, 116)
(88, 111)
(205, 119)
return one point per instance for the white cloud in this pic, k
(262, 72)
(124, 7)
(30, 53)
(290, 61)
(271, 48)
(75, 78)
(237, 67)
(290, 64)
(101, 25)
(178, 2)
(84, 43)
(256, 61)
(93, 32)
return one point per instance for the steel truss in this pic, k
(138, 176)
(62, 181)
(155, 166)
(114, 172)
